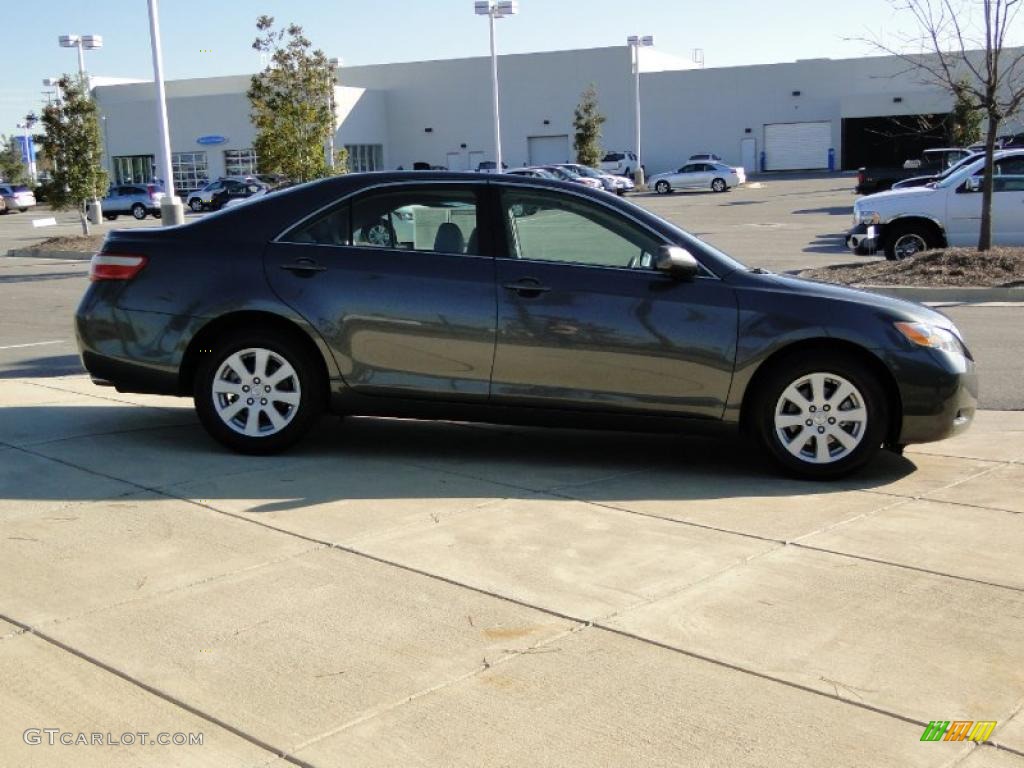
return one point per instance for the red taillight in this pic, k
(861, 176)
(107, 266)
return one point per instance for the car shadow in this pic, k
(42, 367)
(830, 244)
(165, 450)
(835, 210)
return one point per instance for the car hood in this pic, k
(889, 195)
(898, 308)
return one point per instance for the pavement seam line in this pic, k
(163, 695)
(384, 709)
(929, 498)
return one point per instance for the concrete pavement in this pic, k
(403, 593)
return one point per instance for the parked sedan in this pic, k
(564, 174)
(233, 190)
(17, 197)
(139, 200)
(714, 176)
(589, 311)
(617, 185)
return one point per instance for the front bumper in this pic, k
(939, 401)
(864, 239)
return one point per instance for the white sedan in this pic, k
(717, 177)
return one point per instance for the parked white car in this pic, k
(621, 163)
(615, 184)
(904, 222)
(17, 196)
(717, 177)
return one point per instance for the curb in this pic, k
(39, 253)
(947, 294)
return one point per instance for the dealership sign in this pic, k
(211, 139)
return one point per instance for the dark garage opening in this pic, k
(889, 141)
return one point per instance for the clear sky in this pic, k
(213, 37)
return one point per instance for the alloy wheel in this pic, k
(909, 245)
(820, 418)
(256, 392)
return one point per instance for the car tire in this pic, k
(719, 185)
(905, 241)
(110, 216)
(795, 407)
(663, 187)
(226, 401)
(196, 205)
(157, 213)
(22, 210)
(139, 211)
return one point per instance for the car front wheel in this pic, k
(906, 241)
(258, 391)
(196, 204)
(821, 418)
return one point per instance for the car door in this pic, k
(963, 208)
(586, 322)
(400, 286)
(118, 200)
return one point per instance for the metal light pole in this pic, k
(330, 99)
(635, 43)
(82, 43)
(495, 9)
(171, 210)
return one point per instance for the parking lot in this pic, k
(419, 593)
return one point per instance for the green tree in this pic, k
(290, 104)
(965, 120)
(72, 142)
(587, 125)
(12, 169)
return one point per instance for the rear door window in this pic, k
(442, 220)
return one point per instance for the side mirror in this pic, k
(972, 184)
(678, 263)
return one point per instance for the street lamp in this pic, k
(635, 43)
(171, 211)
(82, 43)
(330, 101)
(495, 9)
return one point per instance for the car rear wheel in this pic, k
(195, 204)
(139, 211)
(719, 185)
(258, 391)
(662, 188)
(22, 210)
(110, 216)
(821, 416)
(906, 241)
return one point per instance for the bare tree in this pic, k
(967, 57)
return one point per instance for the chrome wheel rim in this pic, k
(661, 186)
(139, 212)
(256, 392)
(196, 206)
(718, 185)
(820, 418)
(378, 234)
(909, 245)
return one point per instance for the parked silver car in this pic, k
(136, 199)
(617, 185)
(17, 197)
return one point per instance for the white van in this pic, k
(904, 222)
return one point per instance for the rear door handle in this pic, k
(528, 288)
(303, 266)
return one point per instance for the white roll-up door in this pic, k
(545, 150)
(797, 146)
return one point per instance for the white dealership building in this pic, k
(803, 115)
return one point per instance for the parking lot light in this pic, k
(495, 9)
(82, 43)
(635, 43)
(171, 210)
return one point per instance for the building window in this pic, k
(365, 157)
(133, 169)
(239, 162)
(190, 171)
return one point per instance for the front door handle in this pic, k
(303, 266)
(528, 288)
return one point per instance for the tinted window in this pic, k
(613, 157)
(547, 227)
(329, 229)
(441, 220)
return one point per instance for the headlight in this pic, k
(870, 218)
(932, 336)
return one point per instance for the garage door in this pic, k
(797, 146)
(545, 150)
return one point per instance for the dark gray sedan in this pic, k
(508, 299)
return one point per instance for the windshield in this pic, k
(563, 173)
(957, 177)
(584, 170)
